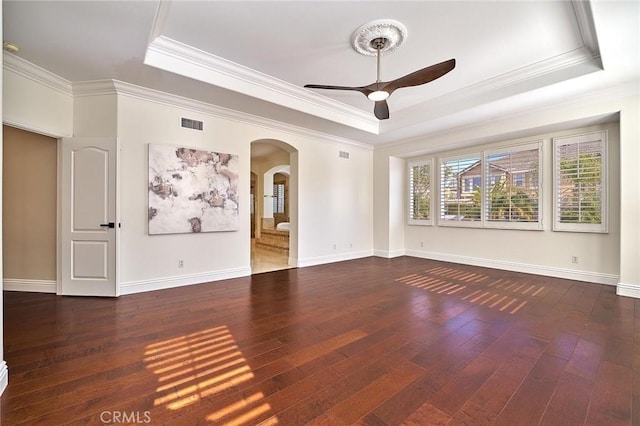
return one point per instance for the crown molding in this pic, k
(571, 64)
(121, 88)
(26, 69)
(94, 88)
(179, 58)
(542, 69)
(609, 98)
(584, 17)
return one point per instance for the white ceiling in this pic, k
(256, 56)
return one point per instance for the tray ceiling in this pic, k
(256, 56)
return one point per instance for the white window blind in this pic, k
(580, 183)
(460, 189)
(513, 193)
(278, 198)
(420, 178)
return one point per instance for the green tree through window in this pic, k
(420, 196)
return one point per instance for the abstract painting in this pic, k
(192, 190)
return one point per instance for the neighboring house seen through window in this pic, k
(496, 188)
(460, 189)
(513, 200)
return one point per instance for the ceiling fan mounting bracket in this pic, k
(367, 37)
(379, 43)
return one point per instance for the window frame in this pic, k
(603, 226)
(410, 165)
(533, 226)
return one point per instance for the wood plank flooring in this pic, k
(372, 342)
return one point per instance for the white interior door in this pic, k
(89, 220)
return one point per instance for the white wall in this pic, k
(335, 206)
(95, 116)
(629, 284)
(601, 256)
(39, 102)
(545, 251)
(334, 198)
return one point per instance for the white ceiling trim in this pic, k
(179, 58)
(603, 105)
(584, 17)
(113, 87)
(568, 65)
(94, 88)
(26, 69)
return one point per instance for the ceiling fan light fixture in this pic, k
(378, 95)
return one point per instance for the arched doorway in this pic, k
(274, 183)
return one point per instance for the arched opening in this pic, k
(274, 205)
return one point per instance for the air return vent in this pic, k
(191, 124)
(344, 154)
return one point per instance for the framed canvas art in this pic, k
(192, 190)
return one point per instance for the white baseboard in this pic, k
(321, 260)
(38, 286)
(389, 254)
(132, 287)
(550, 271)
(4, 376)
(628, 290)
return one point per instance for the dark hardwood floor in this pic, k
(373, 341)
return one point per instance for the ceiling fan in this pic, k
(381, 90)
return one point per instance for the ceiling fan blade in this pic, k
(362, 90)
(381, 110)
(416, 78)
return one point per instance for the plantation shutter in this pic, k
(278, 198)
(513, 186)
(580, 184)
(420, 193)
(460, 189)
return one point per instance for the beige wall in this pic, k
(29, 205)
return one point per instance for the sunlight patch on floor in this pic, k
(202, 365)
(491, 296)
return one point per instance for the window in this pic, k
(420, 177)
(518, 179)
(278, 198)
(580, 195)
(512, 199)
(472, 184)
(497, 188)
(460, 189)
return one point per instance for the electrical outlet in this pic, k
(334, 246)
(421, 243)
(180, 263)
(574, 259)
(350, 245)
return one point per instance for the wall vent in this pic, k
(344, 154)
(191, 124)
